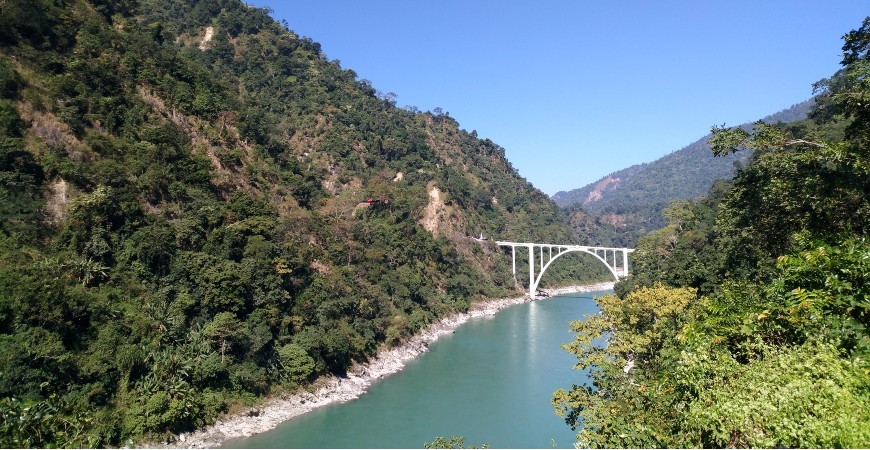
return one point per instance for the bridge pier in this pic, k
(531, 265)
(625, 263)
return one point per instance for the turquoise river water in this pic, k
(491, 381)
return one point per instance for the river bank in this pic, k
(329, 390)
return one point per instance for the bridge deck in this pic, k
(601, 253)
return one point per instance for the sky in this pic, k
(575, 90)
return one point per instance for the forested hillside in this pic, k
(746, 321)
(632, 200)
(198, 209)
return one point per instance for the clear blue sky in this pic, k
(575, 90)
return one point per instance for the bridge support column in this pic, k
(514, 258)
(625, 262)
(531, 270)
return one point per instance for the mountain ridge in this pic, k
(597, 195)
(626, 204)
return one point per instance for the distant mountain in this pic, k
(634, 197)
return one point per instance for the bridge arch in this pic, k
(565, 252)
(562, 250)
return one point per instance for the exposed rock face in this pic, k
(53, 132)
(209, 33)
(599, 189)
(613, 219)
(57, 201)
(433, 211)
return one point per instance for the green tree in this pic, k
(296, 362)
(224, 329)
(845, 95)
(622, 406)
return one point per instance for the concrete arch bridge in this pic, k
(607, 255)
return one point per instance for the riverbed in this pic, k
(518, 337)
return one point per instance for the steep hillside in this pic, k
(634, 198)
(682, 175)
(198, 209)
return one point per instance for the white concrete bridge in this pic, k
(607, 255)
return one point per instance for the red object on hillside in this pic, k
(370, 200)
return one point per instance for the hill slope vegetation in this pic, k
(198, 208)
(630, 202)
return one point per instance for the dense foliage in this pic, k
(747, 320)
(451, 442)
(185, 222)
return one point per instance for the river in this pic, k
(491, 381)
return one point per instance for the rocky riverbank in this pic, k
(333, 389)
